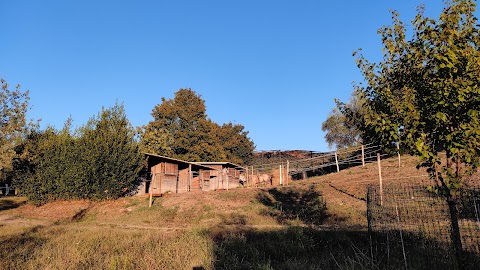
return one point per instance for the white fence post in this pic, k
(151, 191)
(227, 178)
(281, 178)
(363, 155)
(288, 171)
(398, 151)
(189, 177)
(380, 178)
(336, 161)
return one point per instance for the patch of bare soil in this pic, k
(221, 200)
(53, 211)
(115, 207)
(12, 220)
(344, 193)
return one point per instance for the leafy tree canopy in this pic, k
(100, 160)
(181, 128)
(13, 123)
(343, 127)
(425, 92)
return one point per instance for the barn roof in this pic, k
(223, 163)
(152, 158)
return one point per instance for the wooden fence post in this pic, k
(288, 170)
(281, 178)
(189, 177)
(227, 178)
(380, 178)
(363, 155)
(398, 151)
(336, 161)
(151, 191)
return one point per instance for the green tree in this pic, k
(425, 93)
(180, 128)
(176, 126)
(344, 125)
(13, 124)
(101, 160)
(45, 165)
(111, 159)
(155, 140)
(237, 145)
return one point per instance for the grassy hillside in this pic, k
(318, 223)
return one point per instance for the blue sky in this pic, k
(273, 66)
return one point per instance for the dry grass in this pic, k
(93, 247)
(210, 230)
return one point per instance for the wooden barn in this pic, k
(225, 175)
(169, 175)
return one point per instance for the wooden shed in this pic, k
(169, 175)
(226, 175)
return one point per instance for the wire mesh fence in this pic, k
(408, 223)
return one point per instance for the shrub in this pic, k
(100, 161)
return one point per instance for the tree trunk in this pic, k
(455, 234)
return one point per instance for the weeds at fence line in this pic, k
(413, 218)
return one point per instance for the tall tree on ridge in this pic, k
(188, 134)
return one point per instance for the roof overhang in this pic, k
(182, 164)
(222, 163)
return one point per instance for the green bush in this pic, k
(101, 160)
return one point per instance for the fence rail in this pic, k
(335, 160)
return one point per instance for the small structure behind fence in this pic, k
(226, 175)
(412, 223)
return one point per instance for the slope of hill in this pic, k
(318, 223)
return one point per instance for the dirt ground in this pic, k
(344, 193)
(206, 230)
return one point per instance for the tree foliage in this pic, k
(180, 128)
(237, 146)
(425, 94)
(343, 126)
(100, 160)
(109, 147)
(13, 123)
(44, 168)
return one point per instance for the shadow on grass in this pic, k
(18, 249)
(292, 203)
(421, 252)
(310, 248)
(300, 247)
(347, 193)
(292, 248)
(234, 219)
(6, 204)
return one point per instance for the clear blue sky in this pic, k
(273, 66)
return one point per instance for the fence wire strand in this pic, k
(422, 215)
